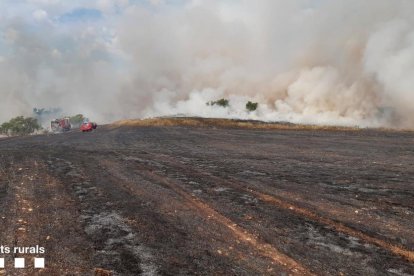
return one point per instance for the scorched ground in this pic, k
(180, 200)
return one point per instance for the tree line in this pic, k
(21, 126)
(250, 106)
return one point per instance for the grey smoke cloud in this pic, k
(325, 62)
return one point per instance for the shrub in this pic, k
(20, 126)
(221, 102)
(250, 106)
(76, 120)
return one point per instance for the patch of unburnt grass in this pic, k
(225, 123)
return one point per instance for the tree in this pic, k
(221, 102)
(250, 106)
(20, 126)
(76, 120)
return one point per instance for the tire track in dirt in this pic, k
(179, 214)
(263, 248)
(116, 246)
(19, 229)
(282, 203)
(12, 228)
(35, 216)
(406, 254)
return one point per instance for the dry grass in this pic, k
(225, 123)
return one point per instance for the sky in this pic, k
(51, 51)
(304, 61)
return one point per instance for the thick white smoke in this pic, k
(309, 61)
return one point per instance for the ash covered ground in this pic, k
(188, 200)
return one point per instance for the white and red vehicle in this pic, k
(60, 125)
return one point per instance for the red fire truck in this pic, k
(60, 125)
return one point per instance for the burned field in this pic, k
(185, 200)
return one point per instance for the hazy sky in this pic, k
(313, 61)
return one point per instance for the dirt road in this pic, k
(210, 201)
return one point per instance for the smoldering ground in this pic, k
(306, 61)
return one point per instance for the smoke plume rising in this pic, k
(306, 61)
